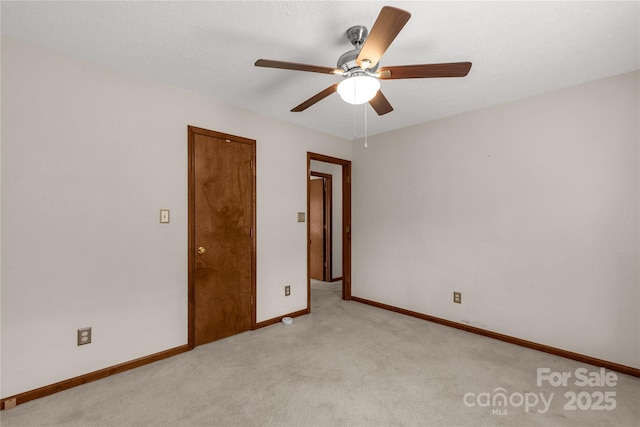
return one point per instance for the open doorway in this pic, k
(338, 257)
(321, 220)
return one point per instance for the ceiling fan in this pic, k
(360, 67)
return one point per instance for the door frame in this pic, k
(328, 222)
(346, 222)
(191, 313)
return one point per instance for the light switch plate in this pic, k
(164, 216)
(300, 216)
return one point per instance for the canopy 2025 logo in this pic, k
(499, 400)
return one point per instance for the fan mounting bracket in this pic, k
(357, 35)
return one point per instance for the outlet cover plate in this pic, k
(457, 297)
(84, 336)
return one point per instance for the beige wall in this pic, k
(530, 209)
(89, 156)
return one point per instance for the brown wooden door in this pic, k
(316, 230)
(222, 243)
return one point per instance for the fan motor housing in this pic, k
(347, 60)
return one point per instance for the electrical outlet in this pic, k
(457, 297)
(84, 336)
(287, 290)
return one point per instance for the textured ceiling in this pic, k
(518, 49)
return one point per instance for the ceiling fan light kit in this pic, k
(358, 88)
(359, 67)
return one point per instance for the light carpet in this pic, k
(345, 364)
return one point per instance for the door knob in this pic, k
(201, 250)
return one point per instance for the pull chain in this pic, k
(365, 126)
(355, 122)
(355, 116)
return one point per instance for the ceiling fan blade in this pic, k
(389, 23)
(380, 104)
(453, 69)
(315, 98)
(297, 67)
